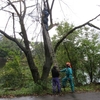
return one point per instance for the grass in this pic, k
(26, 86)
(31, 91)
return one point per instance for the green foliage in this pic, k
(81, 78)
(82, 49)
(7, 47)
(12, 76)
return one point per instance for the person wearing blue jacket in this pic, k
(68, 77)
(45, 17)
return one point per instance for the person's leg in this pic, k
(71, 84)
(64, 82)
(46, 27)
(45, 21)
(58, 85)
(54, 85)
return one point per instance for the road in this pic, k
(69, 96)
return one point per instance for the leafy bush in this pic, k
(11, 74)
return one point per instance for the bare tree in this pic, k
(17, 10)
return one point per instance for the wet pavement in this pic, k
(69, 96)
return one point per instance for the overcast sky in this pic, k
(73, 11)
(76, 11)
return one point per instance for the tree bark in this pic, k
(48, 54)
(33, 68)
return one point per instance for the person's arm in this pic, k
(63, 70)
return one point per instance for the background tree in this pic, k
(90, 47)
(69, 48)
(80, 48)
(6, 47)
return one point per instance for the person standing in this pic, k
(68, 77)
(55, 80)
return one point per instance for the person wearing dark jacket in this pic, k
(45, 17)
(55, 80)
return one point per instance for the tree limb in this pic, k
(66, 34)
(7, 23)
(24, 8)
(13, 25)
(52, 25)
(52, 5)
(91, 25)
(13, 39)
(14, 8)
(50, 10)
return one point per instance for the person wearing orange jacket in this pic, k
(68, 77)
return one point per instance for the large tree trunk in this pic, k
(49, 55)
(33, 68)
(90, 71)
